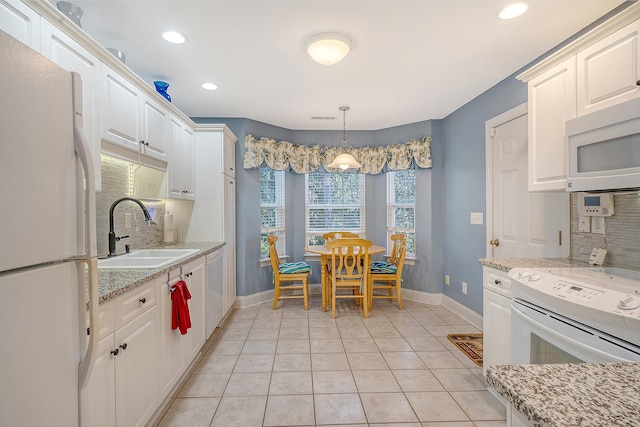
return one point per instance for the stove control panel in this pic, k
(574, 291)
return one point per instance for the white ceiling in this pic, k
(410, 60)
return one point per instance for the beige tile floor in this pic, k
(292, 367)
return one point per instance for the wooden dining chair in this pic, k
(389, 273)
(339, 235)
(350, 262)
(286, 273)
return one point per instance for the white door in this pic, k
(525, 224)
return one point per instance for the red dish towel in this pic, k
(180, 309)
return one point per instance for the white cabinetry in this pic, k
(551, 103)
(181, 169)
(609, 70)
(176, 351)
(71, 56)
(155, 120)
(122, 389)
(496, 319)
(21, 22)
(121, 102)
(212, 217)
(215, 283)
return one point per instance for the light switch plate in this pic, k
(477, 218)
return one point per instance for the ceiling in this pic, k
(410, 60)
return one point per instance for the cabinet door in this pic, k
(196, 283)
(609, 71)
(496, 329)
(98, 404)
(21, 22)
(67, 53)
(188, 165)
(136, 370)
(120, 107)
(154, 132)
(552, 101)
(230, 240)
(172, 344)
(229, 157)
(175, 159)
(215, 282)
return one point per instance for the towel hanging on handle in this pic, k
(180, 317)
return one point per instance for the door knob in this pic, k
(495, 242)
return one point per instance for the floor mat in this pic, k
(470, 344)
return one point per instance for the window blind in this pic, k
(401, 206)
(333, 202)
(272, 209)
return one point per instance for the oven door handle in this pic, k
(594, 354)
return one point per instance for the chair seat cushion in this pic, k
(383, 267)
(294, 267)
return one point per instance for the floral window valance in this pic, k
(302, 159)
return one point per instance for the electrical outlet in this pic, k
(446, 279)
(584, 224)
(464, 288)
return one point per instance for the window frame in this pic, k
(280, 206)
(315, 232)
(392, 228)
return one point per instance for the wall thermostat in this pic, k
(595, 204)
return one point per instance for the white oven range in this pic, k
(572, 315)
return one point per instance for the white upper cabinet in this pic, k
(229, 157)
(121, 104)
(155, 121)
(609, 70)
(20, 22)
(551, 103)
(71, 56)
(181, 165)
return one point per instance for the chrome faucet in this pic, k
(112, 235)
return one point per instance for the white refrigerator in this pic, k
(48, 263)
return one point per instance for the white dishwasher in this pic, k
(496, 318)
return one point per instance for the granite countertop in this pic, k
(113, 282)
(506, 264)
(572, 395)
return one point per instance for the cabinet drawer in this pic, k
(134, 303)
(498, 281)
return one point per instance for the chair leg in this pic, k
(333, 299)
(305, 293)
(398, 293)
(365, 292)
(276, 295)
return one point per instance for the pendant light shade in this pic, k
(344, 161)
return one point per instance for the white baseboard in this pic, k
(409, 294)
(466, 313)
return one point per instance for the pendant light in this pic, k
(344, 161)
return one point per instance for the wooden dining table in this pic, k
(325, 253)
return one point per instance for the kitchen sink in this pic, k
(145, 258)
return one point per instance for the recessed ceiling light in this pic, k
(174, 37)
(209, 86)
(513, 10)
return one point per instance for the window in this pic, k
(401, 206)
(271, 209)
(334, 201)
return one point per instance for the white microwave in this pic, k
(604, 149)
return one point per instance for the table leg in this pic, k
(323, 280)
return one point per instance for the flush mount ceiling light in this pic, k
(513, 10)
(174, 37)
(209, 86)
(344, 161)
(328, 48)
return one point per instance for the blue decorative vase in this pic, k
(161, 87)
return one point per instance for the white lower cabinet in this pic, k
(215, 284)
(496, 318)
(122, 390)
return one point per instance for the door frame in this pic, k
(489, 125)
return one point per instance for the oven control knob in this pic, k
(533, 277)
(523, 273)
(628, 303)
